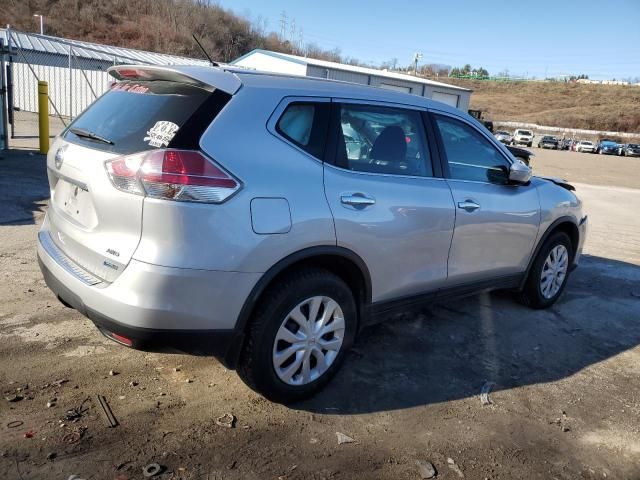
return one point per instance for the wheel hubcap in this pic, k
(308, 340)
(554, 271)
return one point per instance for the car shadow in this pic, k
(24, 189)
(449, 350)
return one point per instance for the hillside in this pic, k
(163, 26)
(559, 104)
(166, 26)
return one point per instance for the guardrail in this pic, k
(571, 131)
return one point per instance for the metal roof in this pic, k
(350, 68)
(93, 51)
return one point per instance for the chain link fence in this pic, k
(76, 77)
(75, 71)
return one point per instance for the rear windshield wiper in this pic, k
(81, 132)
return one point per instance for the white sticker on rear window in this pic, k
(161, 133)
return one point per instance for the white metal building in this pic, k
(76, 71)
(269, 61)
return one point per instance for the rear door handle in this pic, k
(468, 205)
(357, 200)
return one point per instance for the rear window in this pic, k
(136, 116)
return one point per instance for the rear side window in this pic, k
(138, 116)
(305, 124)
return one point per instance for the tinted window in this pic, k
(305, 124)
(382, 140)
(139, 116)
(469, 154)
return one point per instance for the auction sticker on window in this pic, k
(161, 133)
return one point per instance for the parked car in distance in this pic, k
(565, 144)
(629, 150)
(523, 137)
(548, 142)
(521, 154)
(585, 146)
(503, 137)
(607, 147)
(274, 262)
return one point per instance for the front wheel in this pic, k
(299, 336)
(549, 272)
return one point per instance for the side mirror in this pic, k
(519, 172)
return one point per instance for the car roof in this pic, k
(231, 79)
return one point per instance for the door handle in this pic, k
(468, 205)
(357, 200)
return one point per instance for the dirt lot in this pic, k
(565, 405)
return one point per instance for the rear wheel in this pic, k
(299, 335)
(549, 272)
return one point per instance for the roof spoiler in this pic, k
(207, 78)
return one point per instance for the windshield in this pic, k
(524, 132)
(134, 116)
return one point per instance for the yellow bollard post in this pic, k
(43, 116)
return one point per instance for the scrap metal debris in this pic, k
(15, 424)
(453, 466)
(75, 414)
(13, 398)
(74, 436)
(426, 469)
(342, 438)
(484, 393)
(227, 420)
(106, 409)
(151, 470)
(52, 402)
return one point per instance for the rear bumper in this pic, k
(156, 307)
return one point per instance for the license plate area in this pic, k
(75, 203)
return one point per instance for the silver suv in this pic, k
(266, 219)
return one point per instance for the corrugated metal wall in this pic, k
(333, 74)
(416, 88)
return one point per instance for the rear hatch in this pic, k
(94, 224)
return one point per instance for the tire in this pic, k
(257, 365)
(532, 294)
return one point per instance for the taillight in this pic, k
(184, 175)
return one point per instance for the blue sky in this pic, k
(600, 38)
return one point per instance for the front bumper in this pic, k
(154, 307)
(583, 226)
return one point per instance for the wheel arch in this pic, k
(341, 261)
(565, 224)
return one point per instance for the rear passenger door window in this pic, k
(385, 140)
(305, 124)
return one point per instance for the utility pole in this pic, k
(41, 22)
(416, 57)
(283, 25)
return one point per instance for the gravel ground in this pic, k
(565, 402)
